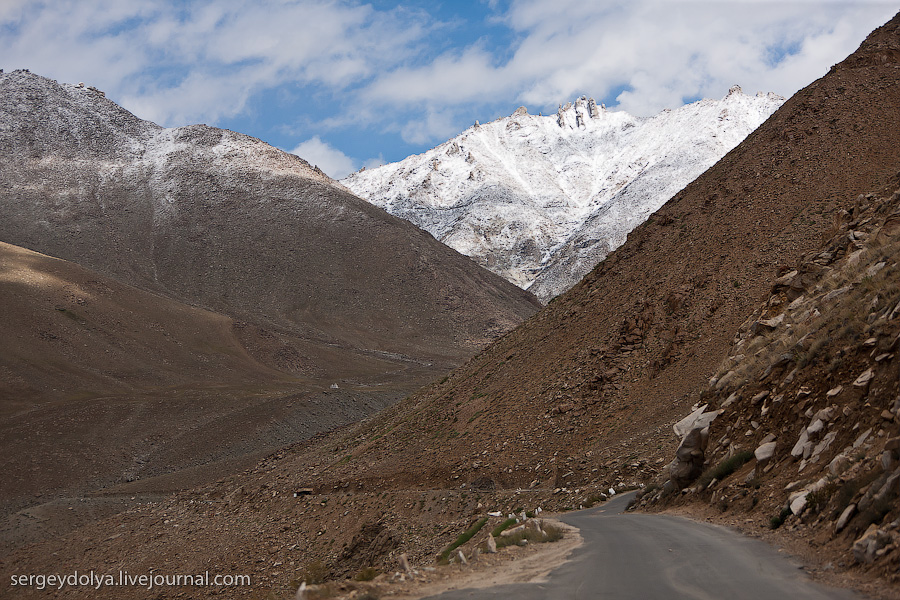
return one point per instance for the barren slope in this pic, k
(103, 385)
(807, 438)
(108, 390)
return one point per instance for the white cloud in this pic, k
(659, 52)
(332, 161)
(374, 162)
(451, 78)
(375, 69)
(178, 64)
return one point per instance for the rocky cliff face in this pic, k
(540, 200)
(803, 427)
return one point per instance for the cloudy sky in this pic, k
(347, 83)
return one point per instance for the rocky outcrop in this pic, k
(690, 456)
(815, 365)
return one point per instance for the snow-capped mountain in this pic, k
(540, 200)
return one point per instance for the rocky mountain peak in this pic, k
(540, 200)
(75, 120)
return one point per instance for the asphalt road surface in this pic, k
(649, 557)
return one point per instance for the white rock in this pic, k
(862, 438)
(685, 425)
(839, 464)
(826, 414)
(816, 427)
(765, 452)
(798, 504)
(823, 445)
(864, 378)
(731, 399)
(797, 450)
(845, 518)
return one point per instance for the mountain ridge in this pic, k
(205, 215)
(541, 199)
(577, 400)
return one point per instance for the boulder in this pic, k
(798, 500)
(798, 503)
(869, 543)
(864, 378)
(734, 397)
(697, 419)
(839, 464)
(759, 397)
(726, 378)
(799, 448)
(765, 453)
(862, 438)
(883, 490)
(845, 517)
(815, 428)
(689, 458)
(512, 531)
(823, 445)
(826, 415)
(764, 325)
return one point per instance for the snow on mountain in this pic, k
(540, 200)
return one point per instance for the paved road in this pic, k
(649, 557)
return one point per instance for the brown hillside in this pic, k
(579, 397)
(107, 390)
(807, 438)
(104, 387)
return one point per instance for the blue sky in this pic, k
(348, 83)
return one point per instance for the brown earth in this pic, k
(110, 392)
(580, 397)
